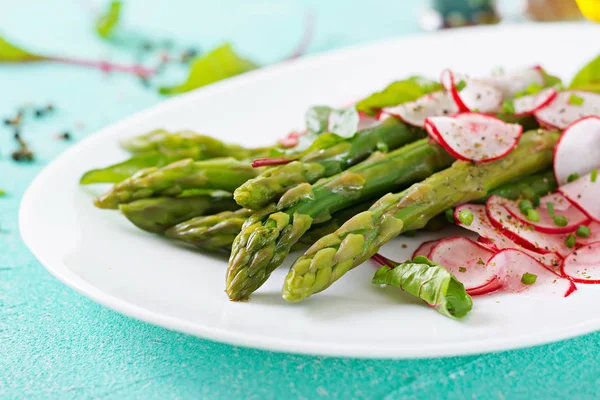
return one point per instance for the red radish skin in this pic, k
(474, 137)
(584, 193)
(583, 265)
(415, 112)
(516, 81)
(424, 249)
(491, 237)
(561, 113)
(490, 287)
(578, 149)
(523, 234)
(527, 105)
(546, 223)
(465, 259)
(476, 95)
(511, 264)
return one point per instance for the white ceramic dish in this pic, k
(99, 254)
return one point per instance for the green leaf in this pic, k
(108, 21)
(343, 122)
(11, 53)
(219, 64)
(430, 282)
(397, 93)
(588, 78)
(118, 172)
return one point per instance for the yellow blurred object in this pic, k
(590, 9)
(553, 10)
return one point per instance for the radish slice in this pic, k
(415, 112)
(474, 137)
(491, 286)
(512, 264)
(465, 259)
(366, 121)
(568, 107)
(491, 237)
(524, 234)
(584, 193)
(513, 82)
(583, 265)
(578, 149)
(546, 223)
(559, 201)
(526, 105)
(424, 249)
(476, 95)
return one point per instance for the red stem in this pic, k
(264, 162)
(381, 260)
(106, 66)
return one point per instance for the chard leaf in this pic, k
(588, 78)
(397, 93)
(219, 64)
(108, 21)
(343, 122)
(11, 53)
(430, 282)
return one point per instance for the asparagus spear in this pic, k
(185, 142)
(264, 242)
(219, 173)
(323, 162)
(160, 213)
(362, 236)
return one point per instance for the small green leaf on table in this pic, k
(108, 21)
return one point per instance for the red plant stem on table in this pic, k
(106, 66)
(265, 162)
(381, 260)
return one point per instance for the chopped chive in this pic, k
(550, 207)
(466, 217)
(449, 213)
(560, 220)
(460, 85)
(570, 242)
(594, 176)
(575, 100)
(508, 106)
(573, 177)
(583, 231)
(528, 279)
(536, 201)
(533, 215)
(524, 206)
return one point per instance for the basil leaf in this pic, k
(342, 122)
(397, 93)
(219, 64)
(108, 21)
(11, 53)
(430, 282)
(588, 78)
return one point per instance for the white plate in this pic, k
(99, 254)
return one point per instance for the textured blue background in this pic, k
(56, 344)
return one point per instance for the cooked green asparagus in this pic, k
(323, 162)
(362, 236)
(264, 242)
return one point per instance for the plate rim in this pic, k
(63, 274)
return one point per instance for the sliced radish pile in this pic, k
(559, 201)
(465, 259)
(474, 137)
(578, 149)
(415, 112)
(568, 107)
(476, 95)
(424, 249)
(526, 105)
(583, 265)
(585, 194)
(546, 223)
(521, 233)
(512, 264)
(513, 82)
(491, 237)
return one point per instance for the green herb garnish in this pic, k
(571, 240)
(583, 231)
(460, 85)
(573, 177)
(575, 100)
(550, 207)
(528, 279)
(533, 215)
(508, 106)
(466, 217)
(109, 20)
(560, 220)
(525, 206)
(594, 176)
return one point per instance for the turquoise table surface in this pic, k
(55, 343)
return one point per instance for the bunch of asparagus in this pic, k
(328, 198)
